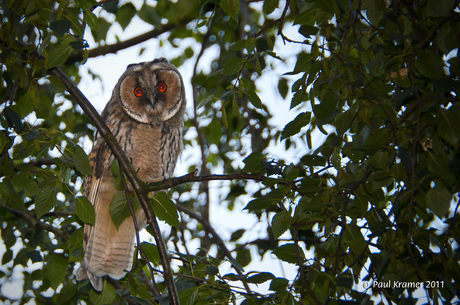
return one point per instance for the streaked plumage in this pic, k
(146, 116)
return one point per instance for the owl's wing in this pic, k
(107, 251)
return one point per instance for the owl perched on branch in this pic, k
(146, 116)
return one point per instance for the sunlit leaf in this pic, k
(165, 209)
(57, 55)
(85, 210)
(119, 208)
(45, 201)
(151, 251)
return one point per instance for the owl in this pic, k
(146, 116)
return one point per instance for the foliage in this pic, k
(377, 201)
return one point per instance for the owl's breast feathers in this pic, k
(153, 151)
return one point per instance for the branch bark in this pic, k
(127, 168)
(125, 44)
(175, 181)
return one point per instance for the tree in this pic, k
(376, 202)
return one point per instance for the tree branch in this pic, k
(114, 48)
(36, 223)
(191, 177)
(127, 168)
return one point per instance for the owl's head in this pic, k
(151, 91)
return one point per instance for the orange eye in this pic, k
(162, 87)
(138, 92)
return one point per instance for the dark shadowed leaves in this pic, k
(438, 200)
(294, 127)
(290, 253)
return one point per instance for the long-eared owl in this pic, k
(146, 116)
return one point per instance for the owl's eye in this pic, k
(162, 87)
(138, 91)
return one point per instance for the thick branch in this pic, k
(114, 48)
(127, 168)
(172, 182)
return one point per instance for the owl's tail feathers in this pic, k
(83, 274)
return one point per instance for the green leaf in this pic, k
(438, 165)
(125, 14)
(231, 8)
(116, 177)
(27, 103)
(243, 257)
(436, 8)
(308, 30)
(119, 208)
(233, 65)
(165, 209)
(429, 64)
(281, 222)
(248, 44)
(313, 160)
(254, 99)
(287, 253)
(260, 278)
(55, 269)
(107, 296)
(373, 11)
(266, 201)
(13, 118)
(438, 200)
(57, 55)
(61, 26)
(254, 163)
(85, 210)
(80, 159)
(353, 237)
(269, 6)
(45, 201)
(151, 251)
(224, 118)
(279, 284)
(294, 127)
(298, 97)
(362, 136)
(23, 181)
(237, 234)
(31, 135)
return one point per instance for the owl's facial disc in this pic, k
(150, 95)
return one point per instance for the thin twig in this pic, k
(36, 223)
